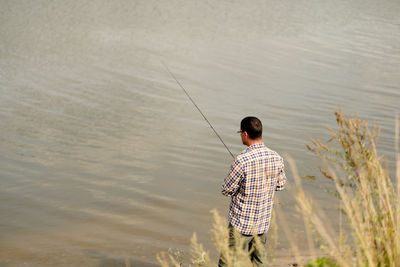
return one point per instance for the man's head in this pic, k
(251, 130)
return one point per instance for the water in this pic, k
(104, 161)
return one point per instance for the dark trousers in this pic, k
(257, 251)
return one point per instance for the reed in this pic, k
(369, 200)
(235, 256)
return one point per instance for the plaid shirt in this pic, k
(254, 177)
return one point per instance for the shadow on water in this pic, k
(107, 261)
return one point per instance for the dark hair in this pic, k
(252, 126)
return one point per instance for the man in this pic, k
(254, 177)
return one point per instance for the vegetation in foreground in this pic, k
(200, 257)
(369, 201)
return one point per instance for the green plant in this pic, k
(322, 262)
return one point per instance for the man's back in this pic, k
(252, 181)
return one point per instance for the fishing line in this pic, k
(202, 114)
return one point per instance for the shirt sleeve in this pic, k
(281, 180)
(232, 181)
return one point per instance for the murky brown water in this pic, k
(104, 160)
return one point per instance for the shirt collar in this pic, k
(255, 146)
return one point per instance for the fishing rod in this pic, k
(194, 103)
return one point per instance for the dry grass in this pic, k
(368, 198)
(235, 257)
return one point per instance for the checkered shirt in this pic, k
(254, 177)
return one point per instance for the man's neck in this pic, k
(251, 142)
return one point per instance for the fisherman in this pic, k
(254, 177)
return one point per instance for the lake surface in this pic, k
(104, 161)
